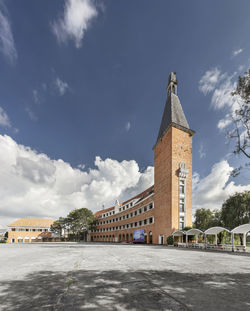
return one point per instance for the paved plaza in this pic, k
(70, 276)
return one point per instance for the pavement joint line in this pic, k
(155, 285)
(167, 294)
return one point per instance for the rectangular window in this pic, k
(123, 217)
(127, 215)
(151, 220)
(135, 224)
(182, 189)
(135, 213)
(131, 214)
(150, 206)
(145, 208)
(145, 221)
(140, 223)
(182, 207)
(127, 225)
(140, 210)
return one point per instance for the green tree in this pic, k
(240, 132)
(236, 210)
(80, 221)
(58, 227)
(205, 218)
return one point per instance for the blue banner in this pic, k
(138, 235)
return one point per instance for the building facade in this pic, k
(167, 205)
(27, 230)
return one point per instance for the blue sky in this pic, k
(81, 79)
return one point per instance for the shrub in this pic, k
(170, 240)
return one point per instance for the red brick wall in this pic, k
(173, 148)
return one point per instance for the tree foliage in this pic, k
(205, 218)
(236, 210)
(75, 225)
(241, 119)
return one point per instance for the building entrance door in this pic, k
(150, 238)
(161, 239)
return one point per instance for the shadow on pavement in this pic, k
(135, 290)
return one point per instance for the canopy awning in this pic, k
(179, 233)
(215, 230)
(194, 231)
(242, 229)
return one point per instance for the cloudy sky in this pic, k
(82, 91)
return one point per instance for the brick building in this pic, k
(26, 230)
(167, 205)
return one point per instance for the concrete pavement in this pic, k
(71, 276)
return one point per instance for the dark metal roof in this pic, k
(173, 115)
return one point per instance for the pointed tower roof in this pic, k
(173, 114)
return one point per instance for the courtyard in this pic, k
(91, 276)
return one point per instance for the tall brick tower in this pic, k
(173, 168)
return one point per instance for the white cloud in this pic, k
(222, 94)
(76, 19)
(223, 123)
(202, 153)
(212, 190)
(221, 85)
(4, 119)
(38, 186)
(7, 45)
(128, 126)
(35, 97)
(237, 52)
(31, 114)
(209, 80)
(61, 86)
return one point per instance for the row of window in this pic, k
(182, 203)
(129, 215)
(29, 230)
(123, 208)
(126, 206)
(147, 221)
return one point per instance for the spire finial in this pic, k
(172, 84)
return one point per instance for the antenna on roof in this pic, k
(103, 206)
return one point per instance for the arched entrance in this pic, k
(150, 237)
(127, 237)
